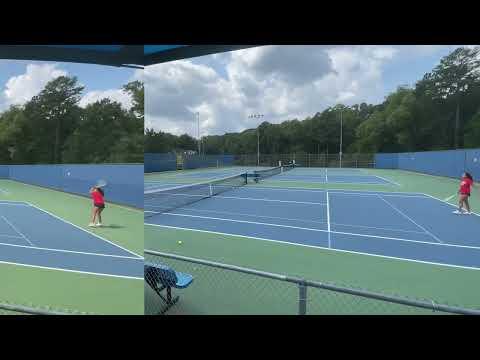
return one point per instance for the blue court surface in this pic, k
(156, 185)
(405, 226)
(215, 174)
(319, 176)
(335, 176)
(31, 236)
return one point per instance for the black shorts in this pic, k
(100, 206)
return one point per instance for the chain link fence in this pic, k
(308, 160)
(225, 289)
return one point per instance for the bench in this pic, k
(162, 277)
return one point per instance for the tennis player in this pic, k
(98, 205)
(464, 194)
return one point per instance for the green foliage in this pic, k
(472, 135)
(53, 128)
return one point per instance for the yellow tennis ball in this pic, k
(179, 242)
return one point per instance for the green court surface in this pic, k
(185, 176)
(67, 291)
(224, 292)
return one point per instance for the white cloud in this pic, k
(281, 82)
(117, 95)
(20, 89)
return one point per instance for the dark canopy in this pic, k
(155, 54)
(112, 55)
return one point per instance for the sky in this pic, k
(281, 82)
(20, 80)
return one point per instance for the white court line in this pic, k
(11, 236)
(13, 203)
(268, 200)
(294, 219)
(324, 231)
(88, 232)
(72, 271)
(318, 247)
(326, 176)
(410, 219)
(16, 230)
(390, 181)
(379, 194)
(333, 190)
(428, 175)
(4, 191)
(251, 215)
(328, 221)
(443, 201)
(70, 251)
(334, 182)
(71, 194)
(380, 228)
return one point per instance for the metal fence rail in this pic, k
(16, 309)
(308, 160)
(227, 289)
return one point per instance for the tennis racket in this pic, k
(101, 183)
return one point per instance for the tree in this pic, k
(472, 134)
(54, 110)
(452, 80)
(104, 134)
(137, 93)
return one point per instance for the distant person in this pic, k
(464, 193)
(98, 205)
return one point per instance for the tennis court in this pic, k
(32, 236)
(335, 176)
(54, 261)
(384, 230)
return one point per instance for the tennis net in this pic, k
(165, 200)
(262, 174)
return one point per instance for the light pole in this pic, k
(198, 131)
(257, 116)
(341, 135)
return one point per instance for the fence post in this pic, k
(302, 298)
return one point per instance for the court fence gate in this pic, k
(219, 288)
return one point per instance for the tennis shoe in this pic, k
(457, 212)
(98, 224)
(91, 224)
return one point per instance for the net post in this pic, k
(302, 298)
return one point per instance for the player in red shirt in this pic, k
(464, 192)
(98, 205)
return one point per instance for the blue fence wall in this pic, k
(386, 161)
(450, 163)
(205, 161)
(472, 163)
(154, 162)
(125, 181)
(4, 171)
